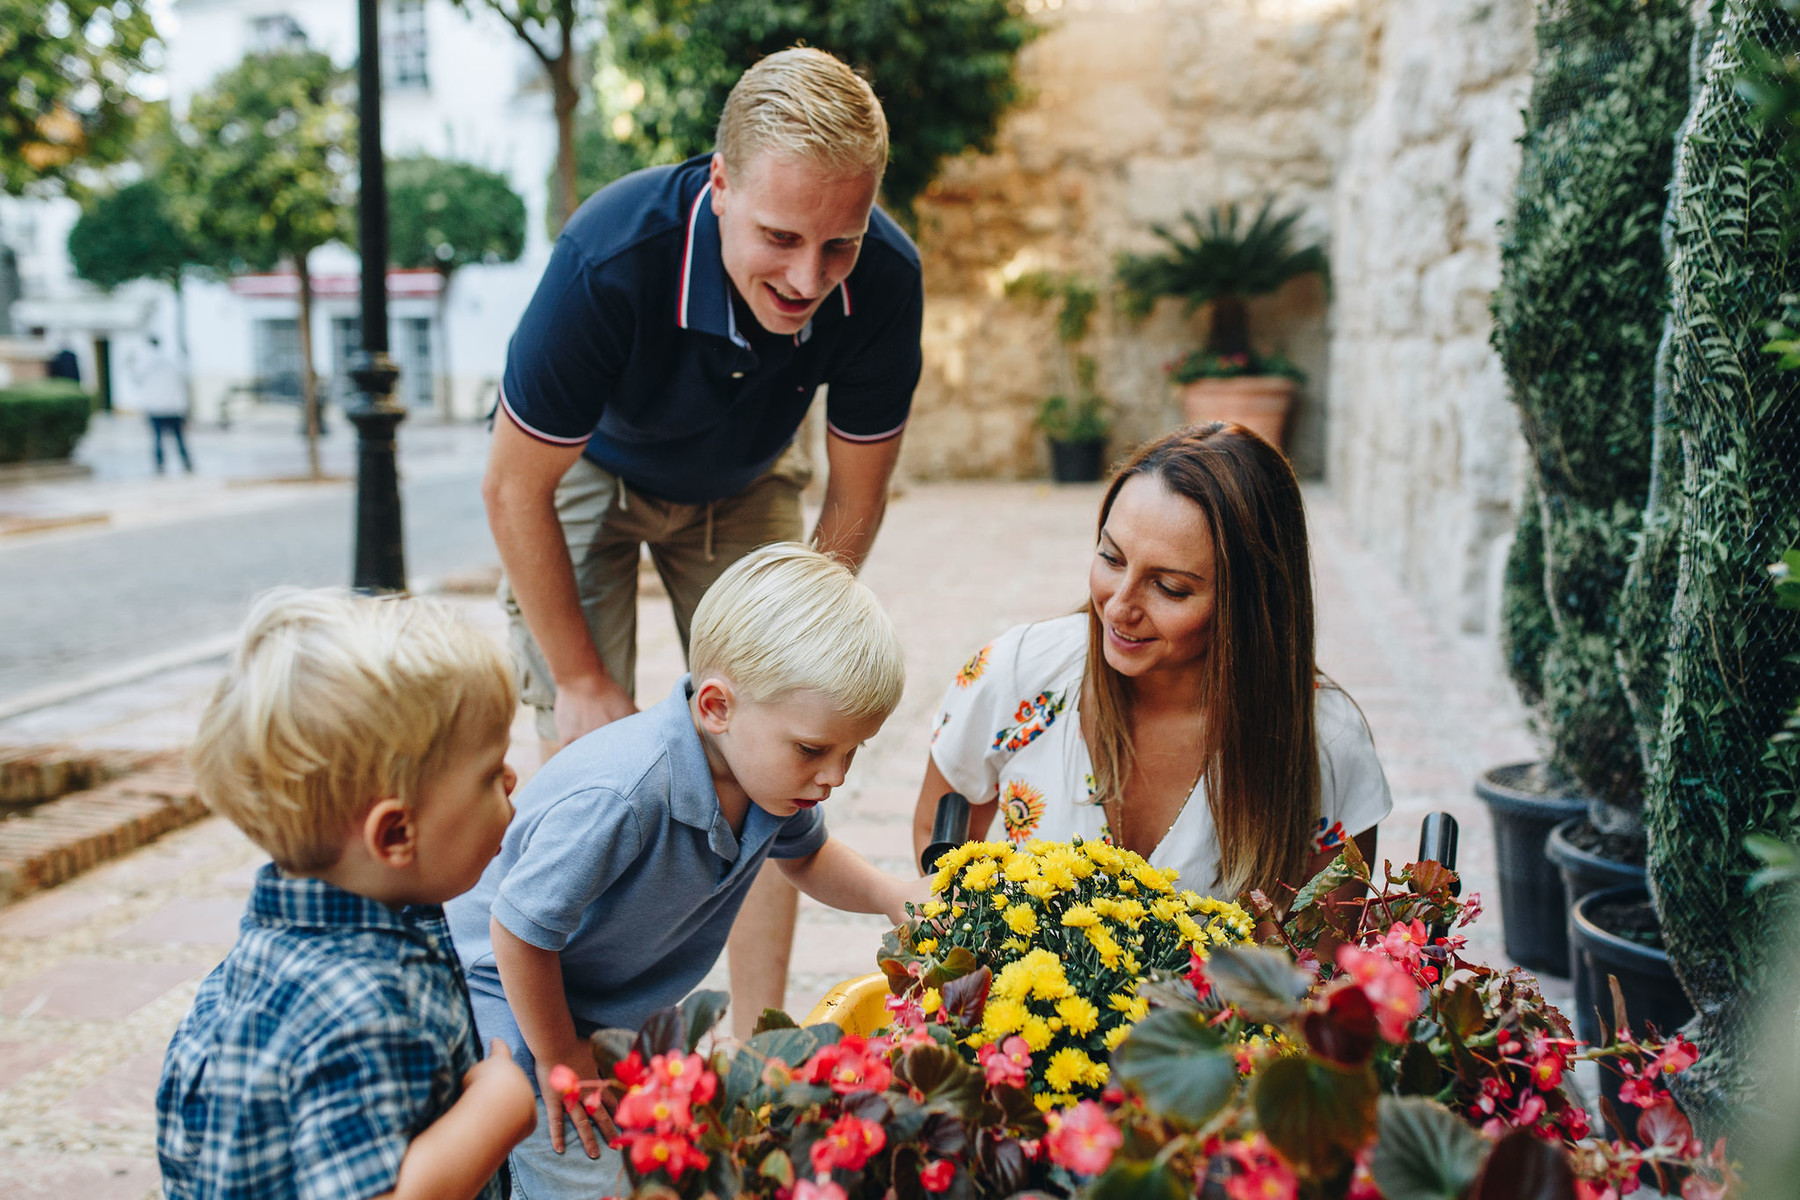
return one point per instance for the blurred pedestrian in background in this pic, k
(163, 395)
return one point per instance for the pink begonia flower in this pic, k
(853, 1064)
(938, 1176)
(1471, 909)
(1390, 989)
(1006, 1064)
(848, 1144)
(823, 1189)
(1403, 941)
(1263, 1174)
(1081, 1138)
(1677, 1056)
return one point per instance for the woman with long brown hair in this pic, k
(1181, 715)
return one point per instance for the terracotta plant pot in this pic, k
(1260, 403)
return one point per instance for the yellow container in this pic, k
(856, 1005)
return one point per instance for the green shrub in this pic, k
(42, 420)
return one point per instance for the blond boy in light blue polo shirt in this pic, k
(632, 850)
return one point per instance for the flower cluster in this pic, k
(655, 1115)
(1205, 364)
(1067, 932)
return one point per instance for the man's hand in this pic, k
(579, 1058)
(503, 1089)
(586, 705)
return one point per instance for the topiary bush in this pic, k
(1525, 627)
(1577, 319)
(41, 421)
(1734, 655)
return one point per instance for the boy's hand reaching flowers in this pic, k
(589, 1128)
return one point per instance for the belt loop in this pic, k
(708, 549)
(624, 497)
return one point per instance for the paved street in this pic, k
(95, 974)
(178, 558)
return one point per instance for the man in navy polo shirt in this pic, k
(655, 385)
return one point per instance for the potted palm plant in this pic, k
(1216, 263)
(1075, 417)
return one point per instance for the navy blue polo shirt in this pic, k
(630, 345)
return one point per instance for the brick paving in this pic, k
(95, 973)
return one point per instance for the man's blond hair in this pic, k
(333, 701)
(787, 619)
(804, 103)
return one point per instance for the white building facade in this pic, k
(456, 84)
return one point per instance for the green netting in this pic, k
(1578, 316)
(1715, 776)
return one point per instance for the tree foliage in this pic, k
(445, 215)
(266, 150)
(132, 233)
(66, 75)
(1578, 317)
(943, 70)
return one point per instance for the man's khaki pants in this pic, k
(691, 545)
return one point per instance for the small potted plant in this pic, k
(1215, 263)
(1077, 429)
(1075, 418)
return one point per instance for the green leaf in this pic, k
(1525, 1167)
(702, 1011)
(1424, 1151)
(779, 1167)
(1460, 1009)
(1138, 1181)
(1419, 1072)
(954, 965)
(773, 1018)
(1316, 1115)
(948, 1083)
(611, 1047)
(1263, 983)
(791, 1046)
(1179, 1065)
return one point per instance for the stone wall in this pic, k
(1139, 110)
(1424, 441)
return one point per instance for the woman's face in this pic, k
(1151, 580)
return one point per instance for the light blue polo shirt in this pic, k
(620, 859)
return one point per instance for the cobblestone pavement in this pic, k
(175, 558)
(94, 975)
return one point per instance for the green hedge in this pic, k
(42, 420)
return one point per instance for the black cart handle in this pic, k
(1437, 843)
(949, 829)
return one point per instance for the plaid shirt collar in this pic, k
(305, 903)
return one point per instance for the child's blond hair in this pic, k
(804, 103)
(333, 701)
(786, 619)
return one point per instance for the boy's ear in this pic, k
(714, 701)
(389, 833)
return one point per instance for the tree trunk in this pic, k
(443, 346)
(1230, 332)
(565, 95)
(309, 381)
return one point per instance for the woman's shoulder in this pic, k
(1336, 717)
(1036, 654)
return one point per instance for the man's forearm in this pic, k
(847, 528)
(530, 541)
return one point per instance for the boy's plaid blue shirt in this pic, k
(334, 1032)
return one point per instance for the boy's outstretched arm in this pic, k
(839, 877)
(532, 979)
(460, 1151)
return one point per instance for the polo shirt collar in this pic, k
(305, 903)
(703, 292)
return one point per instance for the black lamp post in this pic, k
(380, 544)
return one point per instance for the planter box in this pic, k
(42, 420)
(1077, 462)
(1260, 403)
(1534, 909)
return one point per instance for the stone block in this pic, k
(60, 1176)
(93, 989)
(20, 1058)
(188, 923)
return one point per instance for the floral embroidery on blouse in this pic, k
(1021, 807)
(943, 720)
(1329, 837)
(1030, 720)
(974, 668)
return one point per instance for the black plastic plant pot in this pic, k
(1584, 873)
(1533, 907)
(1077, 462)
(1598, 924)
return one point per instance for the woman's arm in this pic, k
(981, 814)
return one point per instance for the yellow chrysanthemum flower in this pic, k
(980, 876)
(1115, 1035)
(1190, 932)
(932, 1001)
(1106, 857)
(926, 945)
(1152, 878)
(1057, 874)
(1002, 1016)
(998, 899)
(1079, 1014)
(935, 908)
(1167, 908)
(1080, 916)
(1068, 1068)
(1121, 1002)
(1021, 919)
(1036, 1032)
(1019, 868)
(1014, 945)
(1039, 888)
(1104, 944)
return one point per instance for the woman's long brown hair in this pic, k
(1261, 764)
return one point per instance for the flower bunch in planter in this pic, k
(1052, 941)
(1354, 1055)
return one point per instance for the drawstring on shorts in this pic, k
(707, 547)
